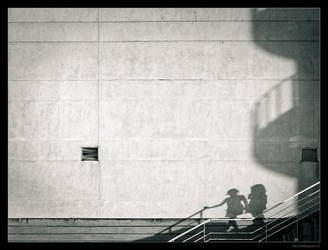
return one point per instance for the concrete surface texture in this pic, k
(184, 104)
(113, 230)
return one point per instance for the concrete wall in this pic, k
(97, 230)
(149, 230)
(172, 97)
(118, 230)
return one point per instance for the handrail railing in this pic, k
(274, 226)
(180, 235)
(297, 201)
(290, 211)
(282, 202)
(298, 219)
(200, 212)
(260, 215)
(209, 220)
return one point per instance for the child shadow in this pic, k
(234, 208)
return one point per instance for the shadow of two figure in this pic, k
(255, 206)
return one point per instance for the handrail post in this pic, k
(296, 239)
(266, 230)
(204, 232)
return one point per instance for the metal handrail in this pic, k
(270, 228)
(180, 235)
(283, 221)
(291, 223)
(193, 235)
(265, 226)
(297, 202)
(241, 219)
(289, 211)
(207, 221)
(282, 202)
(292, 211)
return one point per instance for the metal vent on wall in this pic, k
(89, 154)
(309, 155)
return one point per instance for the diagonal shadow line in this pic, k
(169, 229)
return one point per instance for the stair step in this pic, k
(220, 240)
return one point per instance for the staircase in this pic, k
(294, 219)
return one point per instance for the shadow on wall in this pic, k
(282, 126)
(257, 201)
(278, 137)
(236, 205)
(170, 232)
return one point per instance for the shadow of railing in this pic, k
(171, 231)
(276, 130)
(271, 105)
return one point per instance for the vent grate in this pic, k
(89, 154)
(309, 155)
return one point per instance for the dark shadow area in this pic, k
(279, 137)
(175, 229)
(165, 236)
(257, 201)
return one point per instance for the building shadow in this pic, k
(285, 118)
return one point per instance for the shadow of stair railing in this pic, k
(183, 225)
(292, 212)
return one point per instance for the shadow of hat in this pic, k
(232, 191)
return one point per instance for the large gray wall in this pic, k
(184, 104)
